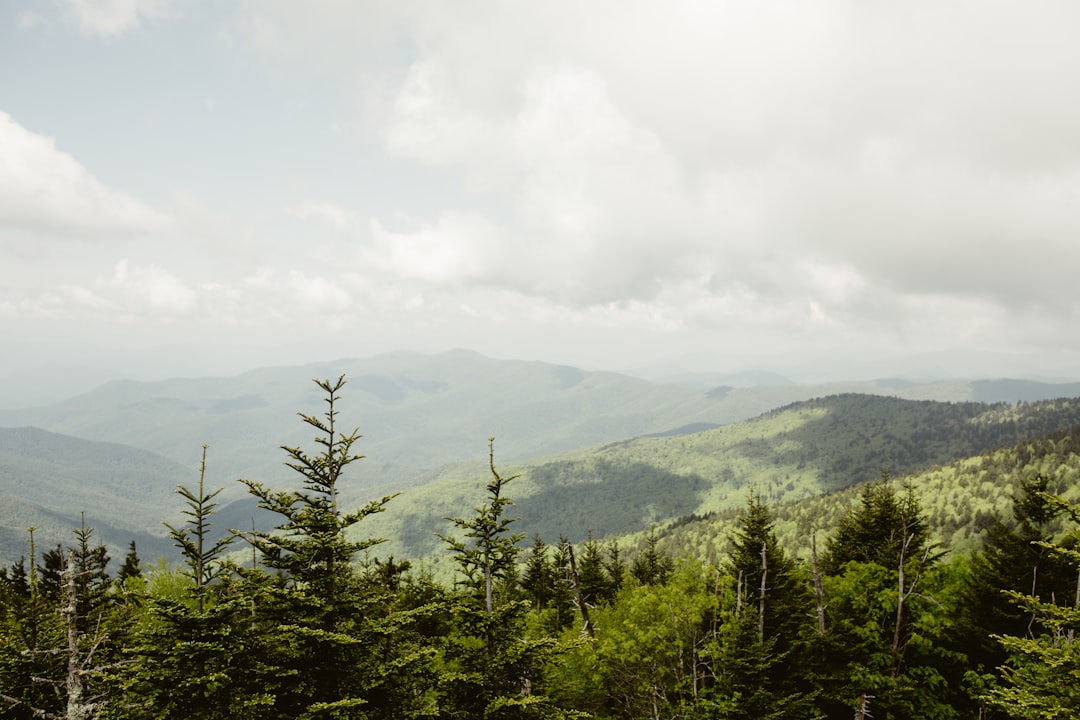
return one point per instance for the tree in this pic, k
(1041, 679)
(652, 567)
(192, 656)
(1014, 558)
(878, 652)
(326, 628)
(881, 529)
(774, 600)
(200, 555)
(494, 670)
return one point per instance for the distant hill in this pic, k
(48, 481)
(419, 412)
(799, 451)
(958, 500)
(426, 420)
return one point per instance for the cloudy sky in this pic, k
(824, 186)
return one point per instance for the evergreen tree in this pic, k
(193, 655)
(881, 529)
(327, 630)
(31, 640)
(651, 566)
(1041, 679)
(1014, 558)
(200, 555)
(494, 670)
(132, 566)
(774, 600)
(878, 652)
(538, 576)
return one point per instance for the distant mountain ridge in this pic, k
(800, 451)
(54, 482)
(423, 417)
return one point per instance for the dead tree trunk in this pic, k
(587, 627)
(761, 594)
(77, 707)
(819, 588)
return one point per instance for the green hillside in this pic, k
(800, 451)
(420, 412)
(958, 499)
(48, 481)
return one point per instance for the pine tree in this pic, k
(327, 630)
(193, 655)
(775, 601)
(876, 652)
(494, 670)
(201, 556)
(1041, 679)
(881, 529)
(651, 566)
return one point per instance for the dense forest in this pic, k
(308, 620)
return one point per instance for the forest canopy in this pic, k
(307, 620)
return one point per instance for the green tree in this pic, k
(772, 598)
(880, 530)
(1014, 558)
(494, 670)
(651, 566)
(328, 629)
(1041, 679)
(201, 556)
(192, 655)
(879, 652)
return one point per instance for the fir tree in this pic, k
(494, 670)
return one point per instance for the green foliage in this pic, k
(310, 544)
(1041, 678)
(884, 529)
(729, 630)
(200, 555)
(493, 669)
(652, 566)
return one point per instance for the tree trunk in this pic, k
(587, 627)
(761, 594)
(819, 589)
(77, 709)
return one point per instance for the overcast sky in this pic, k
(193, 186)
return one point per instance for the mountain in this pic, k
(54, 483)
(957, 500)
(426, 421)
(803, 450)
(417, 412)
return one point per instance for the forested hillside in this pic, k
(421, 412)
(958, 500)
(50, 482)
(800, 451)
(877, 621)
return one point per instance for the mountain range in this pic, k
(600, 451)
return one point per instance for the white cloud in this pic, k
(794, 172)
(115, 17)
(43, 188)
(331, 214)
(148, 290)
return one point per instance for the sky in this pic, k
(825, 188)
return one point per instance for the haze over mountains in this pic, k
(119, 451)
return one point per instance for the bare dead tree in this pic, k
(587, 626)
(819, 588)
